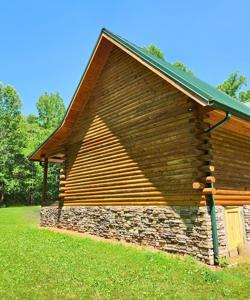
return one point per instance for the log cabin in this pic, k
(151, 155)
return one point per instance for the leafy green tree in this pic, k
(244, 96)
(11, 140)
(182, 67)
(20, 179)
(233, 85)
(154, 50)
(50, 113)
(51, 110)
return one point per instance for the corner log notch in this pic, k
(208, 188)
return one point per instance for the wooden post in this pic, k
(45, 175)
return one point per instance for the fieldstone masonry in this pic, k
(176, 229)
(246, 213)
(221, 231)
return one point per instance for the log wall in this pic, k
(231, 156)
(134, 142)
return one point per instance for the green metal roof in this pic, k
(214, 97)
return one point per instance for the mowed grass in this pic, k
(40, 264)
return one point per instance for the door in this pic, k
(235, 236)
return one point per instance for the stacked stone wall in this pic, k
(175, 229)
(246, 214)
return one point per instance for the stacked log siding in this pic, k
(231, 154)
(134, 142)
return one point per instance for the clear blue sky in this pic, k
(45, 45)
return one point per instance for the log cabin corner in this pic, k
(151, 155)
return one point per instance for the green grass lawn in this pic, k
(40, 264)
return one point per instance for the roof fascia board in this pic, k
(217, 105)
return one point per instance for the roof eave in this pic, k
(215, 104)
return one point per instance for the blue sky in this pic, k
(45, 45)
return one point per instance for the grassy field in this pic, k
(40, 264)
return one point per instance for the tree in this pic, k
(51, 110)
(182, 67)
(21, 179)
(232, 86)
(244, 96)
(11, 140)
(154, 50)
(50, 113)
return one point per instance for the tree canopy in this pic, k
(154, 50)
(21, 179)
(11, 140)
(50, 109)
(233, 87)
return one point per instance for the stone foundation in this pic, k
(176, 229)
(221, 231)
(246, 214)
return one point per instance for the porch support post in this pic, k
(45, 175)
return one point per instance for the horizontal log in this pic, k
(232, 197)
(62, 188)
(62, 182)
(131, 197)
(134, 203)
(62, 176)
(232, 202)
(232, 192)
(133, 191)
(146, 185)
